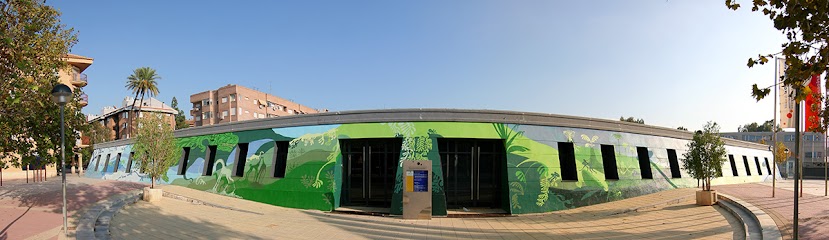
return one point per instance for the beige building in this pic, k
(117, 119)
(233, 103)
(73, 77)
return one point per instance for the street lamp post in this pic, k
(60, 95)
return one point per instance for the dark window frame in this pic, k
(644, 163)
(209, 161)
(748, 167)
(734, 172)
(241, 159)
(567, 161)
(106, 164)
(117, 162)
(182, 163)
(280, 159)
(674, 162)
(129, 163)
(611, 169)
(759, 169)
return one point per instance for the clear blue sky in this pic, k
(673, 63)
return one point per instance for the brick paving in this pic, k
(813, 208)
(654, 219)
(33, 210)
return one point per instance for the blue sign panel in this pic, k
(421, 180)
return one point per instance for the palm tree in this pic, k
(142, 81)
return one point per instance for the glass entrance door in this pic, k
(472, 172)
(369, 167)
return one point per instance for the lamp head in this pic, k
(61, 94)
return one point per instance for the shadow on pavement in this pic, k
(381, 228)
(149, 222)
(47, 197)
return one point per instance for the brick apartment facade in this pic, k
(117, 119)
(233, 103)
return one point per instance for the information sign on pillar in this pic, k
(417, 192)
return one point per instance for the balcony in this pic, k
(83, 100)
(79, 80)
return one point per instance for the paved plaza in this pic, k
(813, 208)
(665, 215)
(33, 210)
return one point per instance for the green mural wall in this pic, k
(533, 182)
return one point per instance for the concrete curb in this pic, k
(168, 194)
(93, 222)
(732, 208)
(769, 228)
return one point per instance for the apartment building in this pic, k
(813, 147)
(117, 119)
(233, 103)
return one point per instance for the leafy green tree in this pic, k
(767, 126)
(155, 147)
(181, 121)
(141, 82)
(780, 156)
(806, 52)
(33, 44)
(633, 120)
(705, 155)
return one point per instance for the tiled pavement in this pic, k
(655, 219)
(813, 208)
(33, 210)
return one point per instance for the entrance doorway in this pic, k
(472, 172)
(369, 167)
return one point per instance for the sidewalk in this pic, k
(172, 218)
(813, 208)
(34, 210)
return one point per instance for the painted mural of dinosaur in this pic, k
(224, 180)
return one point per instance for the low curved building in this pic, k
(510, 162)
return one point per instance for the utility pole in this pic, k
(796, 163)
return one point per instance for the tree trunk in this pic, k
(774, 178)
(129, 117)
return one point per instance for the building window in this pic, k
(129, 163)
(609, 162)
(106, 164)
(788, 138)
(674, 162)
(211, 159)
(232, 97)
(644, 162)
(124, 115)
(745, 162)
(241, 158)
(224, 114)
(567, 161)
(224, 99)
(255, 101)
(232, 111)
(280, 158)
(206, 102)
(733, 165)
(757, 163)
(182, 164)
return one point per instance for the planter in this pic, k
(152, 194)
(706, 198)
